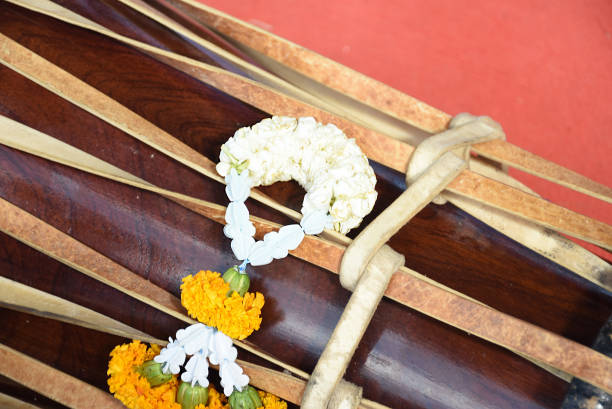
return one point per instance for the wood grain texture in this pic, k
(53, 383)
(161, 241)
(18, 391)
(293, 299)
(19, 297)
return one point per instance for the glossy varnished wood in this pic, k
(130, 23)
(158, 239)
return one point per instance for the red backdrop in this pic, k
(543, 69)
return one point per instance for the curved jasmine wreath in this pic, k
(339, 186)
(338, 180)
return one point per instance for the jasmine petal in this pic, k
(196, 370)
(172, 357)
(232, 377)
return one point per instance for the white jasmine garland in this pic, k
(339, 186)
(330, 167)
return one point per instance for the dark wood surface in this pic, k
(405, 359)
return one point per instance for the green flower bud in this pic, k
(191, 396)
(247, 399)
(152, 371)
(237, 281)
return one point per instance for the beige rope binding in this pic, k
(368, 262)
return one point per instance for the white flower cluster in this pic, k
(330, 167)
(204, 344)
(239, 228)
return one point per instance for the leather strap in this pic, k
(432, 167)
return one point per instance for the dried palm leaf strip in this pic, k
(374, 93)
(52, 383)
(9, 402)
(379, 148)
(484, 322)
(20, 297)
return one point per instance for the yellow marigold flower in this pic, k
(205, 298)
(216, 400)
(135, 392)
(271, 401)
(132, 389)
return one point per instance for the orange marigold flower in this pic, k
(271, 401)
(135, 392)
(205, 298)
(216, 400)
(132, 389)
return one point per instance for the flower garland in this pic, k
(133, 390)
(338, 180)
(136, 392)
(339, 186)
(336, 175)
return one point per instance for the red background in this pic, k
(543, 69)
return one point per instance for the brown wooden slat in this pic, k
(53, 383)
(18, 391)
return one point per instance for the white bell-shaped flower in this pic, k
(276, 245)
(221, 348)
(242, 246)
(315, 221)
(196, 370)
(194, 338)
(172, 357)
(238, 185)
(232, 377)
(260, 254)
(237, 219)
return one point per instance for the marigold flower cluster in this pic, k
(271, 401)
(132, 389)
(204, 295)
(135, 392)
(216, 400)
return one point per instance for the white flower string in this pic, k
(338, 180)
(339, 186)
(203, 342)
